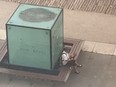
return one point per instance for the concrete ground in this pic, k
(99, 6)
(88, 26)
(98, 71)
(97, 29)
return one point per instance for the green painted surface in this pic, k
(28, 47)
(34, 42)
(57, 39)
(47, 15)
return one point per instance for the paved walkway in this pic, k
(81, 25)
(96, 29)
(100, 6)
(98, 71)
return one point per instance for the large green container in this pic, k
(35, 36)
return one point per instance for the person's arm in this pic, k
(72, 56)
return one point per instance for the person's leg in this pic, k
(73, 64)
(78, 65)
(76, 70)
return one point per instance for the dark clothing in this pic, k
(71, 63)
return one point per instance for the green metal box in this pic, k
(35, 36)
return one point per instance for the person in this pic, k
(65, 58)
(68, 60)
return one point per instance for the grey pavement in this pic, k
(98, 71)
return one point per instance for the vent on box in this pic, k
(37, 15)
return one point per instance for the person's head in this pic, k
(64, 52)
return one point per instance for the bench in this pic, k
(74, 46)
